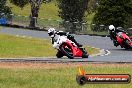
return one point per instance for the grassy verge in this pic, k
(48, 16)
(59, 77)
(12, 46)
(47, 11)
(91, 50)
(103, 33)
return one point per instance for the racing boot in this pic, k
(79, 45)
(115, 43)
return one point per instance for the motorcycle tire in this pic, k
(59, 54)
(127, 43)
(66, 53)
(85, 55)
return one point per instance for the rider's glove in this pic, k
(67, 33)
(126, 33)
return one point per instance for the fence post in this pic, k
(11, 19)
(33, 22)
(83, 26)
(101, 27)
(130, 31)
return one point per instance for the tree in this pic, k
(20, 3)
(92, 6)
(72, 11)
(35, 6)
(128, 7)
(3, 8)
(114, 12)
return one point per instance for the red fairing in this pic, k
(121, 40)
(127, 38)
(75, 50)
(131, 44)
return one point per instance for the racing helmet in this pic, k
(111, 28)
(51, 32)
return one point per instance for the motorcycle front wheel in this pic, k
(67, 51)
(59, 54)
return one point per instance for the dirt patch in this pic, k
(54, 65)
(35, 65)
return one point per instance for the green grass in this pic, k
(58, 78)
(12, 46)
(47, 11)
(97, 33)
(89, 18)
(91, 50)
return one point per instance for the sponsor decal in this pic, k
(83, 78)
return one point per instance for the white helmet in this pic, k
(51, 32)
(111, 28)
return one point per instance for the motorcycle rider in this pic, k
(113, 33)
(52, 33)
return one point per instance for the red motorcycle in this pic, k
(68, 48)
(124, 41)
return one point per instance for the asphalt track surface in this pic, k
(111, 54)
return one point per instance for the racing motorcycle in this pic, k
(123, 40)
(68, 48)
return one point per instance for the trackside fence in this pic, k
(77, 27)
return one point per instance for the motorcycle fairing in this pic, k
(121, 37)
(75, 50)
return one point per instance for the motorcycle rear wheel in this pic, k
(127, 43)
(85, 54)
